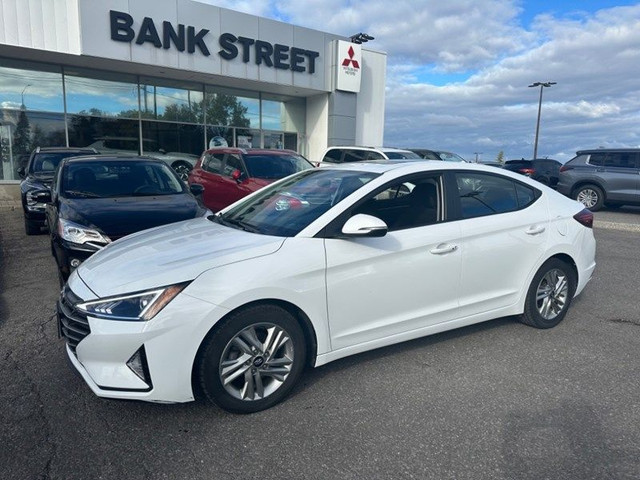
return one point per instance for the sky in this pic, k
(458, 70)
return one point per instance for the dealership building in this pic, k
(177, 76)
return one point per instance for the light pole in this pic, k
(22, 96)
(476, 154)
(541, 85)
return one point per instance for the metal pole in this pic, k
(535, 143)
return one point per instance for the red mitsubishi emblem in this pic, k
(350, 60)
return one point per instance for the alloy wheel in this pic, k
(256, 362)
(552, 294)
(588, 197)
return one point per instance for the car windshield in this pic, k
(125, 178)
(271, 167)
(285, 208)
(451, 157)
(46, 163)
(401, 155)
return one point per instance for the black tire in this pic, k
(182, 169)
(558, 298)
(260, 368)
(591, 196)
(31, 228)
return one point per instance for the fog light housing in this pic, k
(138, 365)
(75, 263)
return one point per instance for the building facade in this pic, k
(175, 77)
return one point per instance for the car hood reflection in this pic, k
(170, 254)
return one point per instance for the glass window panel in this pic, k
(272, 115)
(107, 135)
(171, 104)
(272, 140)
(246, 138)
(21, 132)
(36, 89)
(226, 107)
(291, 141)
(172, 142)
(101, 94)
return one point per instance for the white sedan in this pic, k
(318, 266)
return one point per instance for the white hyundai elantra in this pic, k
(318, 266)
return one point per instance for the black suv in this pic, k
(37, 177)
(544, 170)
(598, 177)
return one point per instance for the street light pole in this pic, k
(541, 85)
(22, 95)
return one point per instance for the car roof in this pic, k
(247, 151)
(610, 150)
(360, 147)
(109, 158)
(410, 166)
(64, 149)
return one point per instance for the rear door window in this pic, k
(483, 194)
(333, 156)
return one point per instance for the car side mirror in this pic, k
(22, 172)
(196, 189)
(237, 175)
(362, 225)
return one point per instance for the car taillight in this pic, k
(564, 168)
(527, 171)
(585, 217)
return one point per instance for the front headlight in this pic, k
(141, 306)
(34, 199)
(72, 232)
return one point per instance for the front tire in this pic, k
(591, 196)
(252, 360)
(549, 295)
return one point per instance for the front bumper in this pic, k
(170, 342)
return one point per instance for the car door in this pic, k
(619, 173)
(381, 287)
(505, 229)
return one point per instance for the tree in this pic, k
(22, 136)
(500, 157)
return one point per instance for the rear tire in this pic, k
(549, 295)
(252, 360)
(591, 196)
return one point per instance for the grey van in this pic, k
(598, 177)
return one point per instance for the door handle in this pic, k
(443, 248)
(535, 230)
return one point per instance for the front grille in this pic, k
(74, 325)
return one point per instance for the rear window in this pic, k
(272, 167)
(401, 155)
(46, 163)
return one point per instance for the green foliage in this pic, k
(500, 157)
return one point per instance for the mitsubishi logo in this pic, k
(350, 61)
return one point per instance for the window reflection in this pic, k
(171, 104)
(101, 94)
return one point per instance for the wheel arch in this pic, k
(569, 261)
(585, 182)
(301, 317)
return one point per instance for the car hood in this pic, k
(120, 216)
(170, 254)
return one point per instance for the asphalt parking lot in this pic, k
(498, 400)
